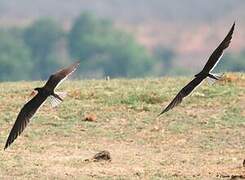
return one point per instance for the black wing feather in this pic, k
(213, 59)
(216, 55)
(24, 117)
(185, 91)
(60, 75)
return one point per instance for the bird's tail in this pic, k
(57, 98)
(211, 81)
(212, 78)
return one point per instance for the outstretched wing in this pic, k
(185, 91)
(217, 54)
(24, 117)
(58, 77)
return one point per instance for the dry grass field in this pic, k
(203, 138)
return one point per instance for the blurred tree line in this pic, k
(34, 52)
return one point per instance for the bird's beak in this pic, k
(33, 93)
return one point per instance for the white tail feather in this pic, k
(211, 81)
(218, 76)
(55, 101)
(61, 94)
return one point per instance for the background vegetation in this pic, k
(35, 51)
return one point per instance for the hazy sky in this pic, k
(127, 10)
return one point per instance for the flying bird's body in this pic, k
(31, 107)
(206, 72)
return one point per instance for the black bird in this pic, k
(212, 62)
(30, 108)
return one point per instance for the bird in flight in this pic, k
(206, 72)
(31, 107)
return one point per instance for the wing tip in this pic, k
(229, 36)
(77, 63)
(233, 25)
(10, 139)
(232, 28)
(164, 111)
(160, 114)
(6, 145)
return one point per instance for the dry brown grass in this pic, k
(203, 138)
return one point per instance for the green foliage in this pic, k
(42, 37)
(106, 50)
(15, 58)
(165, 57)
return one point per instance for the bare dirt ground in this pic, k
(203, 138)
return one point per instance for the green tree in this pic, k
(42, 38)
(105, 50)
(165, 57)
(15, 58)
